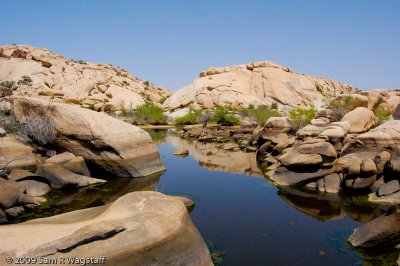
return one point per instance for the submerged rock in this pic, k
(181, 152)
(380, 231)
(144, 228)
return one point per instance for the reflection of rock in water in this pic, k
(110, 191)
(65, 200)
(210, 156)
(325, 207)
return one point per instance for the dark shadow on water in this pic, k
(73, 198)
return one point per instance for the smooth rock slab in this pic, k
(380, 231)
(14, 154)
(388, 188)
(285, 177)
(144, 228)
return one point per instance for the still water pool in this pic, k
(244, 219)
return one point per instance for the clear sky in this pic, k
(170, 41)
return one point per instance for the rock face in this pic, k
(14, 154)
(383, 137)
(255, 83)
(98, 86)
(116, 146)
(144, 228)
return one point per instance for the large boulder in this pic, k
(144, 228)
(14, 154)
(285, 177)
(293, 158)
(336, 131)
(13, 193)
(116, 146)
(59, 176)
(255, 84)
(383, 137)
(312, 152)
(361, 120)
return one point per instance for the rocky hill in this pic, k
(255, 83)
(38, 72)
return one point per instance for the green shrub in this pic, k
(25, 80)
(224, 117)
(8, 84)
(381, 114)
(8, 123)
(126, 83)
(301, 117)
(340, 107)
(149, 113)
(261, 113)
(190, 118)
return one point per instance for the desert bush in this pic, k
(25, 80)
(223, 116)
(191, 118)
(261, 113)
(40, 129)
(301, 117)
(8, 123)
(381, 114)
(148, 113)
(8, 84)
(339, 107)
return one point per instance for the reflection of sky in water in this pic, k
(245, 217)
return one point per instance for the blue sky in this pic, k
(169, 42)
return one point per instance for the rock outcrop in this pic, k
(116, 146)
(37, 72)
(255, 84)
(142, 227)
(14, 154)
(66, 169)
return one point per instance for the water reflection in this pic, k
(326, 207)
(70, 199)
(213, 157)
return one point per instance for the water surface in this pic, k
(243, 217)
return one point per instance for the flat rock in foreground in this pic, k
(116, 146)
(140, 228)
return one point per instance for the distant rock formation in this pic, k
(254, 84)
(38, 72)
